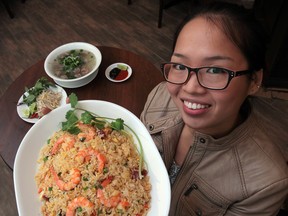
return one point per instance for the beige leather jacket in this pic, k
(243, 173)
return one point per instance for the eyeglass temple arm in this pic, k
(240, 73)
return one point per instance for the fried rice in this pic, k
(84, 183)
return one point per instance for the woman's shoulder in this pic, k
(159, 97)
(272, 117)
(275, 105)
(273, 113)
(159, 105)
(272, 107)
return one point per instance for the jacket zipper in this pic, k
(195, 187)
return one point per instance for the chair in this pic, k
(8, 9)
(163, 4)
(282, 212)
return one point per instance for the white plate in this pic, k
(25, 165)
(23, 107)
(107, 72)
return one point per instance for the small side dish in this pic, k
(118, 72)
(39, 100)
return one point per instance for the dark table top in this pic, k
(130, 94)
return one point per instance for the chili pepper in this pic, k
(34, 115)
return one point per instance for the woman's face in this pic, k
(213, 112)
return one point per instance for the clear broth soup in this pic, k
(73, 64)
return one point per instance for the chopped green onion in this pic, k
(105, 170)
(79, 209)
(45, 158)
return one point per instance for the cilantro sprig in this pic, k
(87, 117)
(32, 93)
(71, 61)
(100, 122)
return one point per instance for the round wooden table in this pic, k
(130, 94)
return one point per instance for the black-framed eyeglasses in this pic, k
(214, 78)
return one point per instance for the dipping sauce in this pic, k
(73, 64)
(118, 74)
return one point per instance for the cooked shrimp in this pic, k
(107, 131)
(85, 155)
(67, 141)
(124, 204)
(107, 181)
(112, 201)
(79, 202)
(75, 179)
(88, 132)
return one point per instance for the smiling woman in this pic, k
(205, 119)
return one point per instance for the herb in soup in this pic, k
(73, 64)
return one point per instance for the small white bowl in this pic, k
(80, 81)
(115, 65)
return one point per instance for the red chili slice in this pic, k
(34, 115)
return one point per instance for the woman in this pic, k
(213, 141)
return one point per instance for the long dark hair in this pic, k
(239, 25)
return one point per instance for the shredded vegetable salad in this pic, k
(40, 99)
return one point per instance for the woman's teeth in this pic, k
(195, 105)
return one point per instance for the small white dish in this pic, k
(21, 108)
(115, 65)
